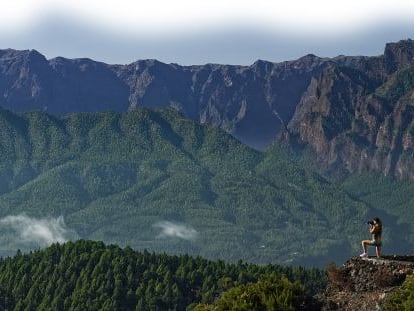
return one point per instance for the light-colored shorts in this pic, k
(375, 243)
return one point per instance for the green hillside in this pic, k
(393, 202)
(157, 181)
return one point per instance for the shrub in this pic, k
(403, 298)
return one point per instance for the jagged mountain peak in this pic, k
(399, 54)
(254, 103)
(359, 117)
(261, 63)
(251, 102)
(34, 55)
(12, 53)
(148, 62)
(28, 55)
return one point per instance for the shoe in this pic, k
(363, 255)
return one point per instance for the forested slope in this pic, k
(155, 180)
(91, 276)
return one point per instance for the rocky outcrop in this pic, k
(364, 284)
(399, 55)
(361, 117)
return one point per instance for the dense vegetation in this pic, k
(91, 276)
(268, 293)
(392, 201)
(124, 178)
(403, 298)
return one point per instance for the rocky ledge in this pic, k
(365, 283)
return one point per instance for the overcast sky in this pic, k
(201, 31)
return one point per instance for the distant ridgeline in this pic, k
(158, 181)
(355, 113)
(91, 276)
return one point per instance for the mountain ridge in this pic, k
(353, 112)
(123, 177)
(128, 177)
(251, 102)
(360, 119)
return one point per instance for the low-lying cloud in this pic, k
(170, 229)
(43, 231)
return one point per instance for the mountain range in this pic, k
(156, 180)
(360, 118)
(353, 112)
(215, 160)
(251, 102)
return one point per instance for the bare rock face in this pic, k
(30, 82)
(355, 113)
(399, 55)
(251, 102)
(361, 117)
(22, 78)
(363, 284)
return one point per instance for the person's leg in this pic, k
(378, 251)
(364, 244)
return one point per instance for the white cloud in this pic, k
(162, 16)
(199, 32)
(170, 229)
(43, 231)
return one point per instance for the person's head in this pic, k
(377, 221)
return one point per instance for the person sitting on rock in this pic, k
(375, 229)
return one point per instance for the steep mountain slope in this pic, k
(30, 82)
(361, 119)
(159, 181)
(251, 102)
(354, 112)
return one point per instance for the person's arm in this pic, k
(373, 229)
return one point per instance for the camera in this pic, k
(370, 222)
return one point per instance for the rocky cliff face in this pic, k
(30, 82)
(360, 117)
(364, 284)
(355, 113)
(251, 102)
